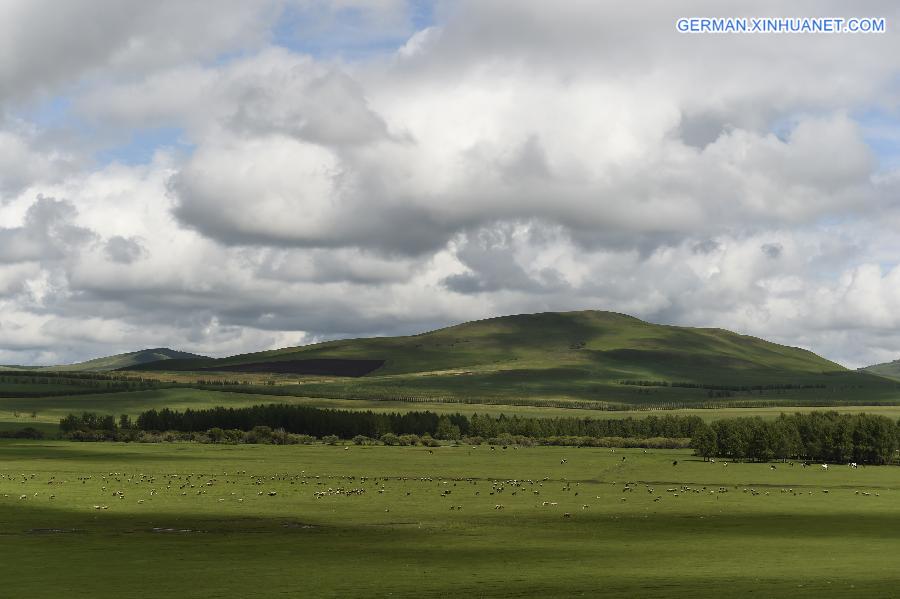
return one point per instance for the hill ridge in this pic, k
(127, 360)
(887, 369)
(557, 335)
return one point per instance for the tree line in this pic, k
(819, 436)
(347, 424)
(715, 387)
(46, 377)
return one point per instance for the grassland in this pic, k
(552, 364)
(889, 370)
(199, 521)
(572, 357)
(126, 360)
(45, 413)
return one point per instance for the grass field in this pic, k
(199, 521)
(566, 357)
(44, 413)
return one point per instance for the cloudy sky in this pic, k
(226, 176)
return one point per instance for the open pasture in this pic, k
(260, 521)
(45, 413)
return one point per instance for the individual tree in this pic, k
(705, 442)
(446, 429)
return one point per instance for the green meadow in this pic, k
(188, 520)
(206, 520)
(45, 413)
(566, 359)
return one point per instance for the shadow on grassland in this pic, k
(19, 450)
(498, 555)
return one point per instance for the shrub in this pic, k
(149, 437)
(280, 437)
(233, 435)
(409, 439)
(216, 435)
(390, 439)
(26, 433)
(428, 441)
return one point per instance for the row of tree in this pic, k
(47, 377)
(819, 436)
(718, 387)
(349, 423)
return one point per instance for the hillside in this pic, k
(127, 360)
(888, 369)
(610, 345)
(589, 355)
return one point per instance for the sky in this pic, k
(222, 176)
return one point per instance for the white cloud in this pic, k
(512, 157)
(45, 44)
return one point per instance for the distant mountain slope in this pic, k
(128, 360)
(887, 369)
(607, 345)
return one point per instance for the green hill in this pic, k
(128, 360)
(589, 355)
(888, 369)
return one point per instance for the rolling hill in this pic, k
(127, 360)
(888, 369)
(588, 355)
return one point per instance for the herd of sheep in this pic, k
(109, 490)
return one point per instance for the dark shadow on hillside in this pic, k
(316, 366)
